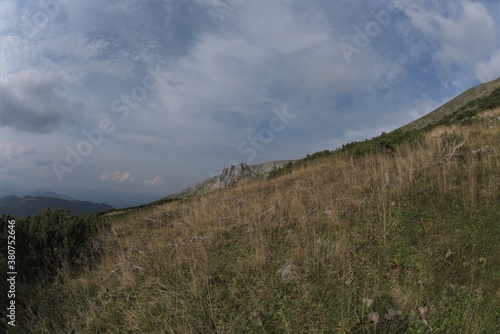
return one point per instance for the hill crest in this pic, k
(30, 205)
(462, 102)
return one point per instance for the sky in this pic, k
(131, 100)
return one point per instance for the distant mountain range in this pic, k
(37, 201)
(40, 193)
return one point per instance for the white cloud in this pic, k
(156, 181)
(457, 35)
(468, 38)
(11, 150)
(489, 70)
(7, 15)
(117, 176)
(72, 57)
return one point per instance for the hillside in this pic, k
(29, 205)
(483, 96)
(398, 234)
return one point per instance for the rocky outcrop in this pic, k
(229, 177)
(232, 175)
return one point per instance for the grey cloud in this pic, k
(11, 150)
(42, 162)
(30, 101)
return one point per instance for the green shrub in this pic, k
(46, 240)
(466, 114)
(385, 143)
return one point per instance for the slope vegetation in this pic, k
(398, 237)
(480, 97)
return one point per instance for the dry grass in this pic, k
(374, 228)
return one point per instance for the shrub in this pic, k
(47, 239)
(385, 143)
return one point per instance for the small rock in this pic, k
(448, 254)
(372, 317)
(367, 302)
(392, 314)
(328, 213)
(289, 272)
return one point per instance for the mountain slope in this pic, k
(472, 99)
(382, 236)
(29, 205)
(324, 248)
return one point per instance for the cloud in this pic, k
(42, 162)
(469, 37)
(32, 101)
(156, 181)
(117, 176)
(11, 151)
(489, 70)
(457, 35)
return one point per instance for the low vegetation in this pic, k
(479, 98)
(394, 235)
(47, 244)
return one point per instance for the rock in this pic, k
(392, 315)
(229, 177)
(448, 254)
(367, 302)
(372, 318)
(232, 175)
(289, 272)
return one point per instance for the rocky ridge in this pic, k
(229, 177)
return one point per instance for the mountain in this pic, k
(229, 177)
(30, 205)
(40, 193)
(480, 97)
(116, 199)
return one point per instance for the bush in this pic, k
(466, 113)
(385, 143)
(47, 239)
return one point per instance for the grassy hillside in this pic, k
(475, 99)
(404, 235)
